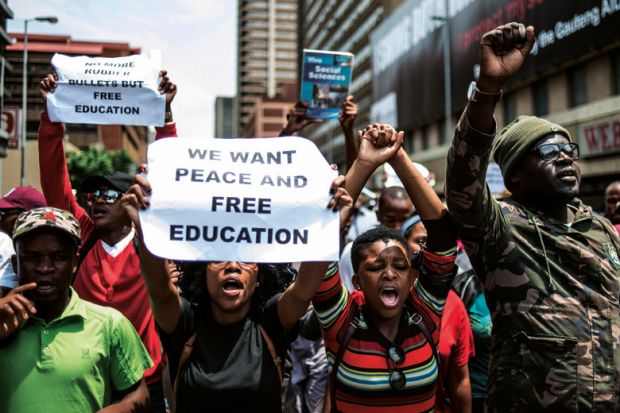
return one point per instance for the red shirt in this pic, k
(456, 344)
(101, 279)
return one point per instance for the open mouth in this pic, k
(99, 212)
(232, 287)
(389, 297)
(567, 175)
(45, 288)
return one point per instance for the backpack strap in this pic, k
(188, 347)
(272, 350)
(352, 322)
(419, 322)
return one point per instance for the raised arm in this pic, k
(347, 117)
(165, 299)
(474, 211)
(297, 119)
(169, 130)
(295, 300)
(55, 180)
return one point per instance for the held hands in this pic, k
(378, 144)
(297, 119)
(15, 309)
(502, 53)
(136, 199)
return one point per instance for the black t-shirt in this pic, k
(230, 368)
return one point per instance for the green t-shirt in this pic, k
(72, 363)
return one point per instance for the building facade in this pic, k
(225, 117)
(267, 52)
(343, 26)
(572, 76)
(41, 48)
(5, 40)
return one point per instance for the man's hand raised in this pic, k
(15, 309)
(502, 53)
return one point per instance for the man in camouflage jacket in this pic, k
(549, 266)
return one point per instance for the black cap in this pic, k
(117, 180)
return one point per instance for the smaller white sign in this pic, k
(257, 200)
(107, 91)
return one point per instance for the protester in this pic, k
(612, 202)
(59, 353)
(16, 201)
(456, 341)
(394, 208)
(383, 349)
(234, 328)
(309, 368)
(550, 266)
(109, 268)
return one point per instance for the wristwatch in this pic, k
(476, 95)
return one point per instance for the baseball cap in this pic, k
(117, 180)
(22, 197)
(47, 217)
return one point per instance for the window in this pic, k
(510, 108)
(409, 143)
(442, 133)
(577, 91)
(540, 95)
(426, 139)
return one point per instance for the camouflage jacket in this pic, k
(552, 290)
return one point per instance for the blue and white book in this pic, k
(325, 82)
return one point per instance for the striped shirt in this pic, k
(362, 383)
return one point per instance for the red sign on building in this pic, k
(11, 122)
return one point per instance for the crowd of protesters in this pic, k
(470, 304)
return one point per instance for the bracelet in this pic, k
(476, 95)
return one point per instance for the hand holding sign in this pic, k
(121, 90)
(238, 199)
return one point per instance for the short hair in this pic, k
(392, 192)
(611, 185)
(381, 233)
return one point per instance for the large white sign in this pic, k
(107, 91)
(257, 200)
(600, 137)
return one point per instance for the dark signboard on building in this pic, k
(407, 47)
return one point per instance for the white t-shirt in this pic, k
(8, 278)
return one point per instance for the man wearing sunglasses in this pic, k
(550, 266)
(16, 201)
(109, 268)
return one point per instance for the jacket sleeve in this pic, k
(169, 130)
(55, 180)
(476, 214)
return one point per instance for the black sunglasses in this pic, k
(551, 151)
(397, 378)
(110, 195)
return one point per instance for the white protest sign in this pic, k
(257, 200)
(107, 91)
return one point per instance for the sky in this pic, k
(197, 39)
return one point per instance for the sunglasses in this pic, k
(397, 378)
(110, 196)
(4, 212)
(221, 264)
(551, 151)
